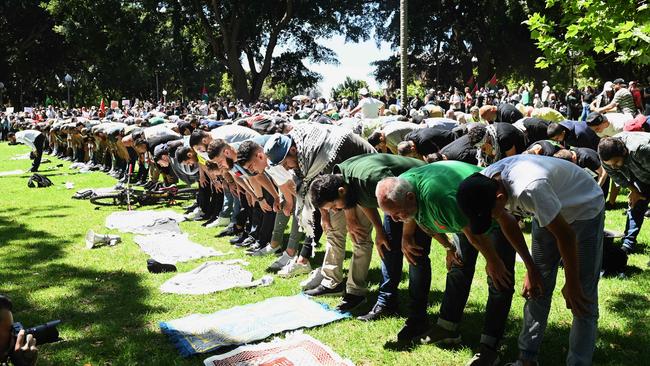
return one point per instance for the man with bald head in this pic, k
(426, 197)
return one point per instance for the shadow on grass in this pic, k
(102, 312)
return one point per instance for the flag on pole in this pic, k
(204, 94)
(102, 108)
(494, 80)
(48, 101)
(470, 81)
(475, 88)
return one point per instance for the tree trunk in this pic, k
(403, 47)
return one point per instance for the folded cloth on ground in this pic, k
(200, 333)
(24, 156)
(11, 172)
(211, 277)
(145, 222)
(173, 247)
(297, 349)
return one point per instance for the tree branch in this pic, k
(273, 38)
(205, 23)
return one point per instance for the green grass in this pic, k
(110, 305)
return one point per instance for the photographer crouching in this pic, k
(19, 349)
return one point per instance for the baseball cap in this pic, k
(595, 118)
(476, 197)
(364, 91)
(608, 86)
(277, 148)
(618, 81)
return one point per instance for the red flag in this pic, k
(494, 80)
(470, 81)
(475, 88)
(102, 108)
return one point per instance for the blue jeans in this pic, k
(635, 217)
(585, 112)
(459, 283)
(546, 256)
(391, 271)
(227, 208)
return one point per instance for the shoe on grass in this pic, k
(486, 356)
(350, 302)
(294, 268)
(377, 312)
(223, 221)
(254, 247)
(326, 291)
(247, 242)
(195, 215)
(156, 267)
(439, 335)
(267, 250)
(280, 262)
(414, 333)
(313, 280)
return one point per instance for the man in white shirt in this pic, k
(546, 91)
(34, 139)
(607, 125)
(368, 106)
(567, 207)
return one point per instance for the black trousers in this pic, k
(39, 142)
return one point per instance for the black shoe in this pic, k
(189, 208)
(321, 290)
(246, 242)
(229, 231)
(609, 206)
(254, 247)
(626, 249)
(156, 267)
(238, 239)
(378, 312)
(413, 332)
(350, 302)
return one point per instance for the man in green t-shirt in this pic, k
(353, 186)
(427, 196)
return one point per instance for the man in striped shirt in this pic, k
(623, 101)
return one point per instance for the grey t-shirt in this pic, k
(544, 187)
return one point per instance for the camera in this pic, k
(44, 333)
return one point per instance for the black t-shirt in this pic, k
(580, 135)
(460, 150)
(507, 112)
(588, 97)
(587, 158)
(535, 128)
(549, 147)
(430, 140)
(509, 136)
(157, 140)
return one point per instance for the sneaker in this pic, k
(439, 335)
(485, 357)
(326, 291)
(223, 221)
(210, 223)
(238, 239)
(229, 231)
(267, 250)
(294, 268)
(156, 267)
(254, 247)
(195, 215)
(350, 302)
(313, 280)
(280, 262)
(414, 332)
(378, 312)
(247, 242)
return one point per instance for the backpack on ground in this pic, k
(38, 181)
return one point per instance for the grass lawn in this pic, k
(110, 305)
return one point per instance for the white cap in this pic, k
(608, 86)
(364, 91)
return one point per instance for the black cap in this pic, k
(476, 197)
(595, 118)
(618, 81)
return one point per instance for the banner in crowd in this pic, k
(115, 104)
(28, 109)
(126, 103)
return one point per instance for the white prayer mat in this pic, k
(145, 222)
(173, 247)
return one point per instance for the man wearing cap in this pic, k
(567, 207)
(314, 149)
(426, 196)
(623, 101)
(606, 126)
(353, 185)
(626, 158)
(368, 106)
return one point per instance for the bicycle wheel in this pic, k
(109, 199)
(186, 194)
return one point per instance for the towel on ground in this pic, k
(200, 333)
(211, 277)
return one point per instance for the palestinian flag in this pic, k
(204, 94)
(494, 80)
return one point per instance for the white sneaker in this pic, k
(267, 250)
(281, 262)
(294, 268)
(195, 215)
(223, 221)
(314, 279)
(212, 224)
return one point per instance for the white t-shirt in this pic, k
(616, 124)
(544, 187)
(27, 137)
(545, 92)
(233, 133)
(279, 175)
(370, 107)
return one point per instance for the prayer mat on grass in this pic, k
(211, 277)
(12, 172)
(172, 248)
(200, 333)
(145, 222)
(296, 350)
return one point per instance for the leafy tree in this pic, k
(349, 88)
(249, 31)
(593, 35)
